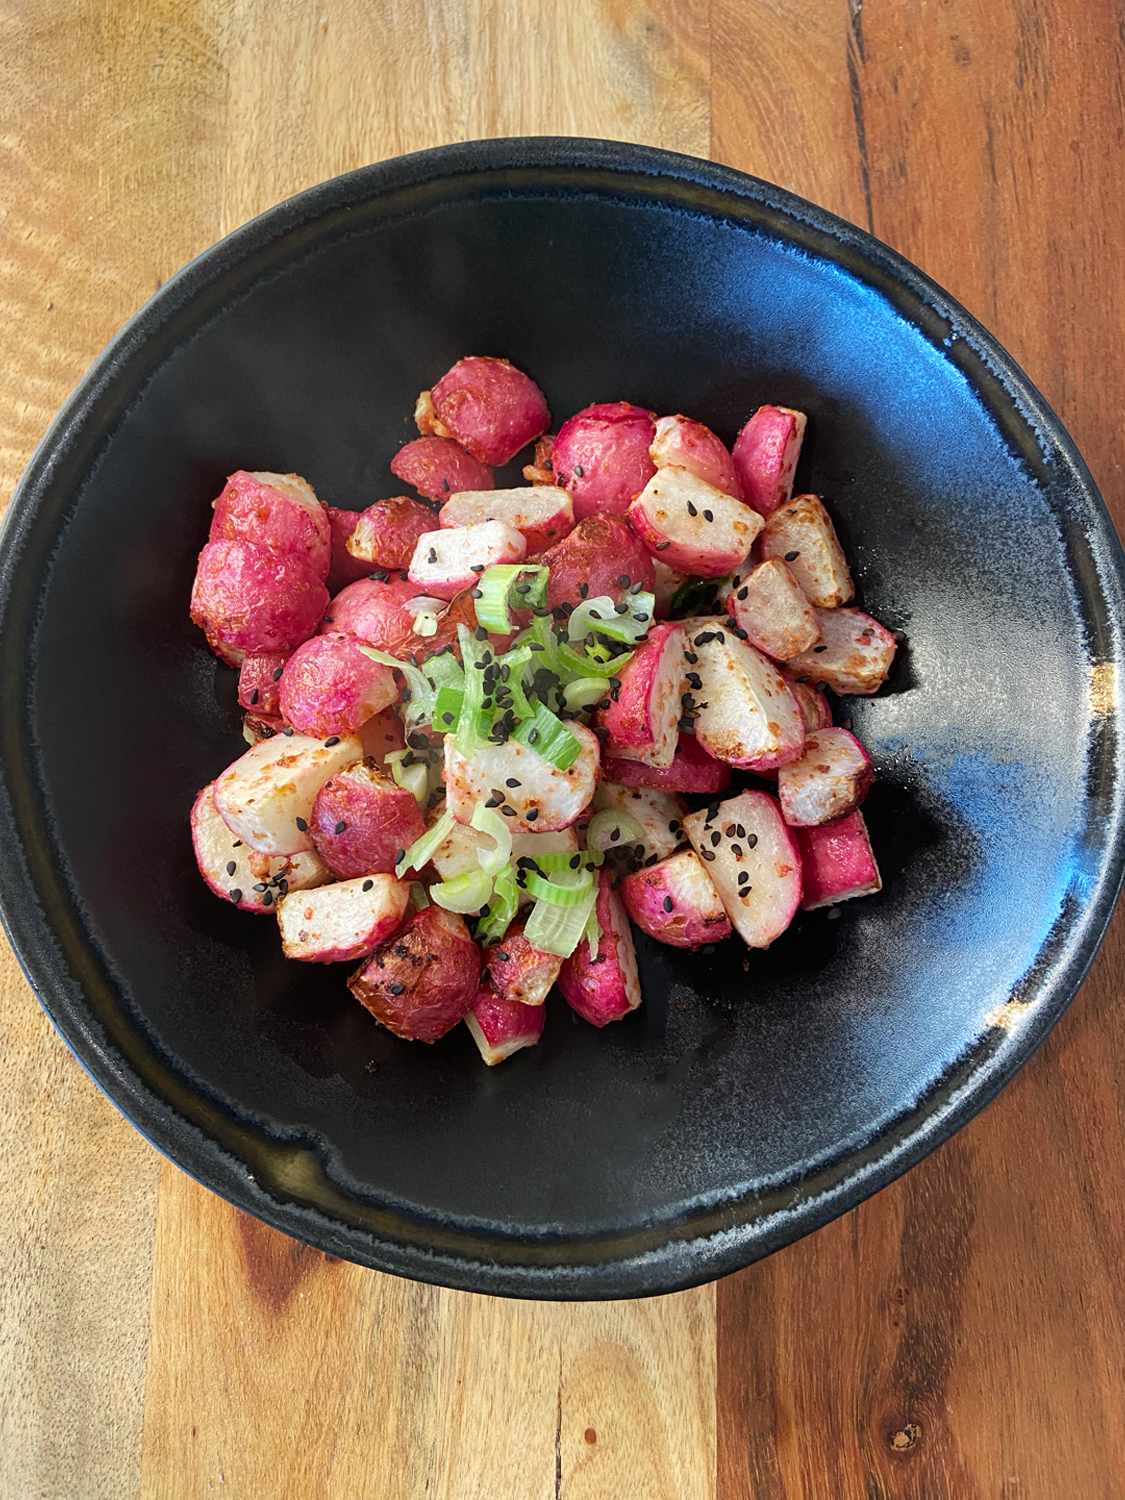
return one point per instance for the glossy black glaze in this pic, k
(746, 1102)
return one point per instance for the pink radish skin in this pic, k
(689, 445)
(387, 532)
(329, 687)
(373, 612)
(258, 683)
(692, 770)
(811, 701)
(361, 819)
(345, 568)
(838, 862)
(599, 552)
(601, 456)
(438, 467)
(771, 607)
(448, 562)
(541, 513)
(747, 836)
(642, 723)
(681, 883)
(520, 972)
(604, 988)
(279, 512)
(423, 980)
(490, 407)
(766, 453)
(252, 599)
(232, 869)
(266, 797)
(802, 535)
(746, 714)
(691, 526)
(500, 1027)
(342, 922)
(829, 780)
(854, 654)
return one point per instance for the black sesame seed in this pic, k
(476, 593)
(583, 590)
(418, 741)
(232, 865)
(340, 827)
(367, 884)
(624, 580)
(706, 854)
(663, 546)
(494, 802)
(254, 698)
(707, 516)
(480, 633)
(302, 825)
(742, 593)
(510, 812)
(736, 850)
(400, 855)
(404, 576)
(288, 731)
(751, 840)
(277, 674)
(713, 809)
(819, 649)
(668, 903)
(237, 844)
(235, 895)
(792, 556)
(716, 839)
(532, 815)
(433, 555)
(333, 739)
(447, 718)
(743, 877)
(532, 736)
(690, 656)
(445, 485)
(706, 638)
(691, 510)
(396, 989)
(638, 587)
(267, 899)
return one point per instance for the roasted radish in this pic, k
(361, 821)
(692, 770)
(854, 654)
(279, 512)
(765, 455)
(530, 792)
(676, 902)
(829, 780)
(438, 467)
(602, 457)
(743, 709)
(422, 981)
(342, 922)
(801, 534)
(500, 1027)
(329, 687)
(753, 860)
(659, 815)
(259, 679)
(266, 797)
(642, 720)
(606, 987)
(490, 407)
(542, 513)
(811, 701)
(770, 605)
(252, 882)
(602, 554)
(685, 444)
(387, 532)
(446, 562)
(247, 598)
(838, 862)
(520, 972)
(692, 526)
(345, 568)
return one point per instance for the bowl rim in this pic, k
(696, 1248)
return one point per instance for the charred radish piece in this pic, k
(361, 820)
(744, 712)
(692, 770)
(490, 407)
(500, 1027)
(542, 513)
(531, 793)
(765, 455)
(676, 902)
(423, 980)
(266, 797)
(838, 862)
(606, 987)
(643, 718)
(341, 922)
(753, 860)
(684, 444)
(542, 469)
(381, 735)
(802, 535)
(771, 607)
(447, 562)
(279, 512)
(438, 467)
(386, 533)
(829, 780)
(602, 457)
(854, 654)
(520, 972)
(374, 611)
(692, 526)
(329, 687)
(252, 882)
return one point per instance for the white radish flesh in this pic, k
(854, 654)
(829, 780)
(771, 607)
(233, 870)
(801, 534)
(445, 562)
(745, 713)
(753, 860)
(543, 798)
(341, 922)
(660, 814)
(265, 798)
(691, 526)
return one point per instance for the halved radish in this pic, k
(765, 455)
(387, 532)
(445, 562)
(829, 780)
(811, 701)
(689, 445)
(541, 513)
(743, 709)
(606, 987)
(253, 882)
(692, 770)
(265, 798)
(341, 922)
(438, 467)
(538, 797)
(771, 607)
(753, 859)
(692, 526)
(838, 862)
(854, 654)
(501, 1027)
(801, 534)
(643, 718)
(520, 972)
(676, 902)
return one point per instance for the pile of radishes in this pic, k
(493, 704)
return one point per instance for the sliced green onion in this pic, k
(590, 661)
(487, 820)
(556, 893)
(423, 849)
(444, 670)
(585, 692)
(415, 779)
(593, 933)
(495, 594)
(463, 893)
(695, 595)
(559, 929)
(474, 724)
(549, 737)
(600, 615)
(418, 896)
(610, 830)
(502, 907)
(559, 859)
(447, 709)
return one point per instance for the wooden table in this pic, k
(961, 1335)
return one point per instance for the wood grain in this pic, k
(959, 1336)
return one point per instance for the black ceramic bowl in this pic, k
(747, 1102)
